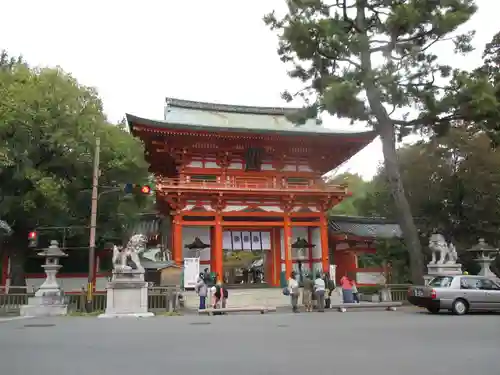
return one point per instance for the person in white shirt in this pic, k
(319, 291)
(355, 295)
(294, 291)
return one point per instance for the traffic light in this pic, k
(33, 239)
(137, 189)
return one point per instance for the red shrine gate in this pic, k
(238, 178)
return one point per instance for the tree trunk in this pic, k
(385, 129)
(16, 248)
(405, 218)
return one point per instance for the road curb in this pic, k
(13, 318)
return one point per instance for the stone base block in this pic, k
(434, 270)
(444, 269)
(131, 315)
(36, 308)
(127, 298)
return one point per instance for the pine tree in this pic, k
(375, 61)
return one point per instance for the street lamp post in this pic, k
(93, 223)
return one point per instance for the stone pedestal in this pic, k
(47, 305)
(49, 298)
(447, 269)
(127, 295)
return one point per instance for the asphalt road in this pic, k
(374, 342)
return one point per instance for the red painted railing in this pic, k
(243, 183)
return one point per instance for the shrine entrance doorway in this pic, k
(248, 257)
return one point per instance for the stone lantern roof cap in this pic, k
(482, 246)
(53, 250)
(301, 243)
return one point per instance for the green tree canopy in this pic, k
(357, 187)
(453, 186)
(48, 127)
(372, 61)
(474, 97)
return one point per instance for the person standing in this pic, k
(202, 291)
(355, 295)
(330, 287)
(319, 291)
(294, 291)
(221, 295)
(346, 285)
(307, 293)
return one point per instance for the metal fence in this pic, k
(399, 292)
(160, 299)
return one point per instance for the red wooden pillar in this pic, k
(218, 252)
(276, 243)
(177, 255)
(287, 237)
(269, 261)
(212, 249)
(324, 243)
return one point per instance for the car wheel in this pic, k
(460, 307)
(433, 310)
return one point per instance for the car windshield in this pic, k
(441, 281)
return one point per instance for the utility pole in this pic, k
(93, 223)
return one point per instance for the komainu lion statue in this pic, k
(447, 251)
(135, 246)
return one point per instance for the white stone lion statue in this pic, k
(135, 246)
(447, 251)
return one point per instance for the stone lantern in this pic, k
(301, 246)
(50, 286)
(484, 256)
(49, 298)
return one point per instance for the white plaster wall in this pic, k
(271, 208)
(267, 167)
(317, 267)
(304, 168)
(290, 168)
(188, 236)
(316, 239)
(211, 164)
(234, 208)
(282, 241)
(195, 164)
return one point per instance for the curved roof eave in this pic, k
(321, 131)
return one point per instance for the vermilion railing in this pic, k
(250, 184)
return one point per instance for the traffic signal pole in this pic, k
(93, 224)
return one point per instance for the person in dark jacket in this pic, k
(330, 287)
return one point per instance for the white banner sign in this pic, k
(246, 241)
(191, 272)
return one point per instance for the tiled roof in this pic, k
(204, 106)
(213, 117)
(364, 227)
